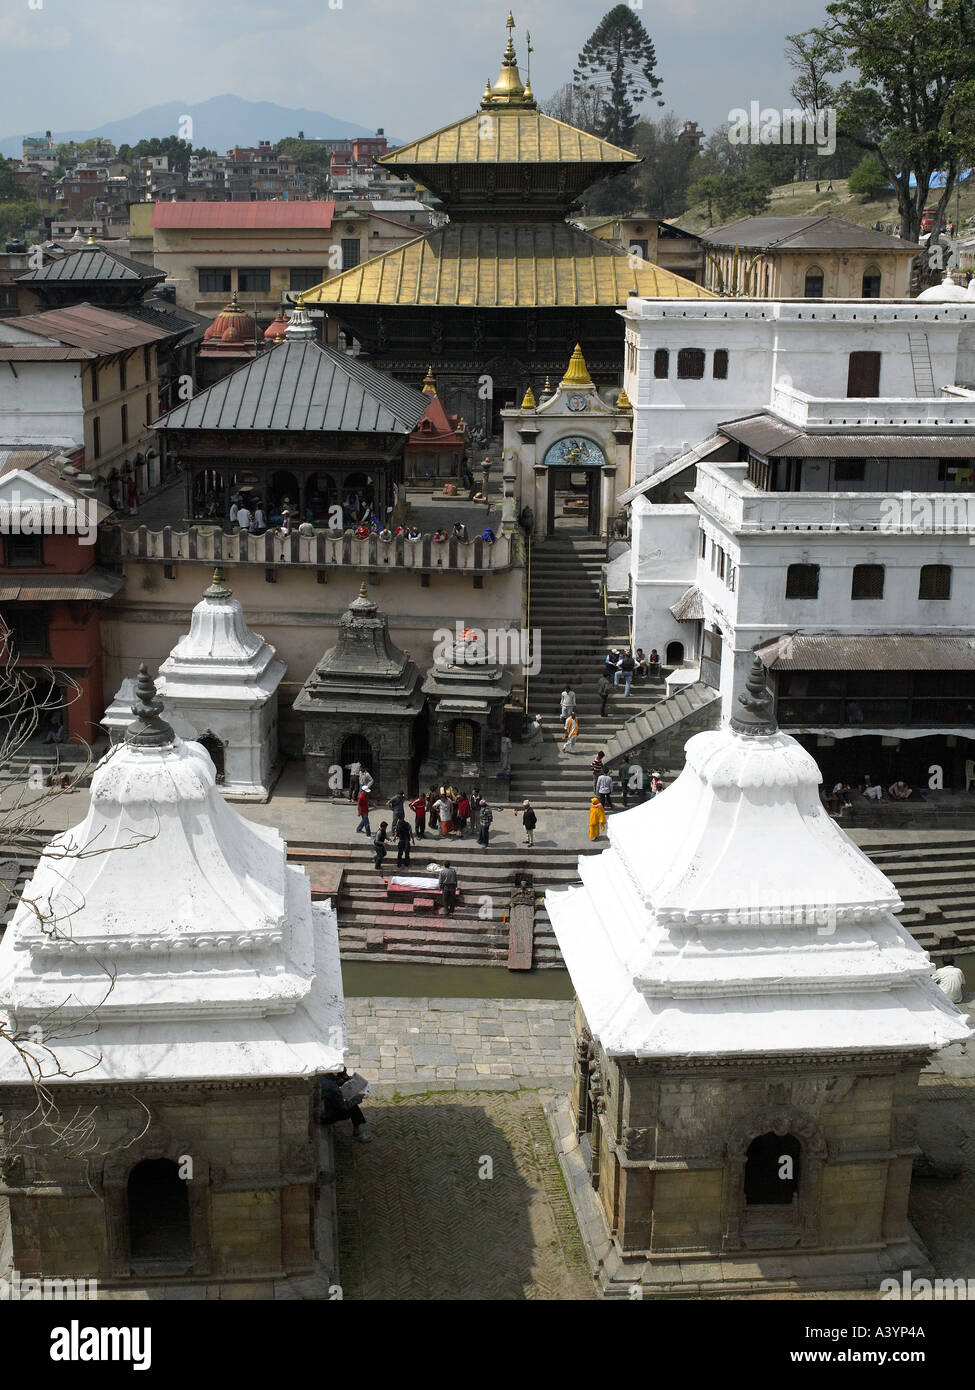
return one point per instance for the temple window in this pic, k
(802, 581)
(690, 364)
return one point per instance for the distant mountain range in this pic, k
(218, 124)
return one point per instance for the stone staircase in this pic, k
(371, 927)
(567, 607)
(48, 758)
(936, 881)
(695, 707)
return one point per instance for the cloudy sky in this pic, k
(409, 67)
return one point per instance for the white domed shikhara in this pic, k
(219, 683)
(165, 937)
(730, 914)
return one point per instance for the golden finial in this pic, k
(429, 387)
(623, 400)
(577, 373)
(362, 590)
(529, 402)
(547, 388)
(92, 241)
(508, 90)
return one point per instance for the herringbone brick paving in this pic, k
(418, 1223)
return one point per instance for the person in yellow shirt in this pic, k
(597, 819)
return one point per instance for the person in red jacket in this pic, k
(419, 808)
(362, 806)
(463, 814)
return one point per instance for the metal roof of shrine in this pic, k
(301, 386)
(526, 265)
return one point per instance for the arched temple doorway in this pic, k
(772, 1170)
(356, 749)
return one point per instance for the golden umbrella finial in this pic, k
(577, 373)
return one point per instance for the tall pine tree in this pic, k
(620, 63)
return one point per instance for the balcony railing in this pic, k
(856, 412)
(324, 550)
(721, 490)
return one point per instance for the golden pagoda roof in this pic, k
(505, 266)
(529, 402)
(509, 135)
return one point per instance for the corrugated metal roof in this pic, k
(301, 386)
(804, 233)
(96, 264)
(85, 326)
(503, 266)
(48, 353)
(689, 607)
(767, 435)
(508, 137)
(93, 587)
(886, 652)
(243, 215)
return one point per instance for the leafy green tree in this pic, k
(747, 194)
(620, 62)
(17, 218)
(868, 179)
(910, 104)
(707, 190)
(8, 185)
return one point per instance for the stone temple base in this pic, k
(686, 1274)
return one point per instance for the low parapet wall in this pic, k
(323, 550)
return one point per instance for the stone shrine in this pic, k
(220, 688)
(360, 704)
(466, 697)
(179, 991)
(752, 1021)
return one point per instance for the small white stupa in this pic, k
(221, 964)
(745, 996)
(177, 993)
(220, 687)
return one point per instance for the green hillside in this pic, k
(802, 200)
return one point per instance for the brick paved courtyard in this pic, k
(418, 1222)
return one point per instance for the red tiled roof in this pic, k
(242, 215)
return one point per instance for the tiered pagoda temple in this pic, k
(506, 288)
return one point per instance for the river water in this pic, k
(367, 978)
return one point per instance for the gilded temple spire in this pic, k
(508, 90)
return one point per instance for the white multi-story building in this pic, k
(803, 486)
